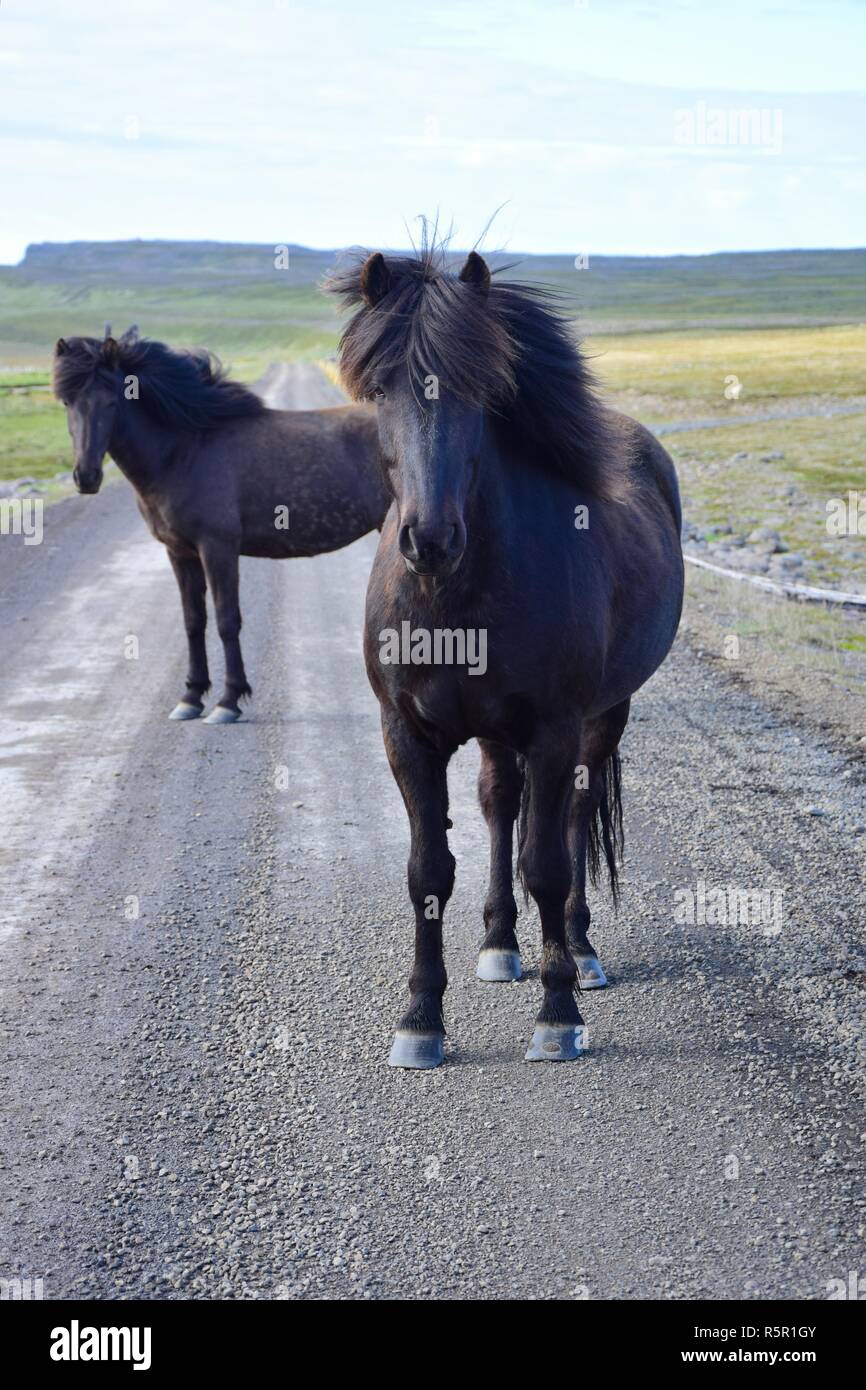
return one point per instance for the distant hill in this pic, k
(149, 262)
(232, 297)
(785, 280)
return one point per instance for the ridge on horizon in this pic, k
(47, 248)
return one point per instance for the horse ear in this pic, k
(60, 347)
(475, 272)
(110, 352)
(375, 279)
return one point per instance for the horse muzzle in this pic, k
(432, 552)
(87, 480)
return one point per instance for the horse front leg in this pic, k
(499, 785)
(544, 867)
(421, 774)
(221, 567)
(189, 573)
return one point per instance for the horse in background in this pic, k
(217, 474)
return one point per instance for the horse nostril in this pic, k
(421, 543)
(427, 542)
(430, 548)
(406, 543)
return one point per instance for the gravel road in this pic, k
(196, 1101)
(827, 410)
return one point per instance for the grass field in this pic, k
(664, 333)
(779, 474)
(681, 375)
(234, 299)
(656, 377)
(34, 442)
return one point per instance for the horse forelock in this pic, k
(77, 366)
(510, 350)
(187, 389)
(429, 322)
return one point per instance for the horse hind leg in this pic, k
(190, 577)
(559, 1035)
(221, 567)
(594, 828)
(499, 785)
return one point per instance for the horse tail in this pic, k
(522, 819)
(605, 828)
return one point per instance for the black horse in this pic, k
(532, 523)
(217, 475)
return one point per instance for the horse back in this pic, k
(652, 464)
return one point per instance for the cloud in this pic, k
(327, 123)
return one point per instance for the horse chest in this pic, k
(162, 526)
(450, 706)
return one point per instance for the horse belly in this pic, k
(312, 527)
(641, 646)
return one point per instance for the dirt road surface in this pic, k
(206, 936)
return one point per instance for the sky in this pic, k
(606, 127)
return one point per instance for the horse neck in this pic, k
(139, 446)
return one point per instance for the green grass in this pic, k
(234, 300)
(34, 442)
(748, 289)
(678, 376)
(822, 459)
(271, 323)
(664, 332)
(804, 659)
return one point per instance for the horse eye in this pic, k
(377, 394)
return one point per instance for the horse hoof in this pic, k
(417, 1051)
(590, 973)
(220, 715)
(497, 966)
(186, 711)
(557, 1042)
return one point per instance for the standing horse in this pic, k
(528, 518)
(216, 475)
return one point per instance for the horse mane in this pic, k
(509, 350)
(181, 389)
